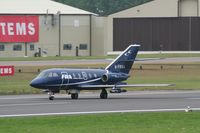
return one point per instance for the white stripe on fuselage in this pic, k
(83, 82)
(77, 83)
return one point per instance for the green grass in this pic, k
(185, 79)
(18, 84)
(168, 55)
(96, 57)
(172, 122)
(51, 58)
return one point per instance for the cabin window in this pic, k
(74, 75)
(95, 75)
(79, 76)
(90, 75)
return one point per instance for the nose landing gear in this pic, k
(51, 95)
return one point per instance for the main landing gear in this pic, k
(74, 95)
(104, 94)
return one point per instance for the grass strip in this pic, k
(171, 122)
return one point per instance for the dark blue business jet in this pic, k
(75, 80)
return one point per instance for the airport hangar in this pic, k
(56, 29)
(168, 25)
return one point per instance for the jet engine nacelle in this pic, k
(114, 77)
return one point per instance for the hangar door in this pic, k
(168, 34)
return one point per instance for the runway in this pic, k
(99, 61)
(133, 101)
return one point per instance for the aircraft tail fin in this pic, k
(123, 63)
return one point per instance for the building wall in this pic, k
(8, 52)
(188, 8)
(99, 35)
(75, 30)
(48, 36)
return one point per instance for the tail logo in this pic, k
(128, 53)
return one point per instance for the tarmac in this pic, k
(89, 103)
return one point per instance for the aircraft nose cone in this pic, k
(34, 83)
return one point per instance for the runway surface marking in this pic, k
(16, 98)
(32, 104)
(194, 98)
(98, 112)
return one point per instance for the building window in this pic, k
(67, 47)
(17, 47)
(83, 46)
(32, 47)
(2, 47)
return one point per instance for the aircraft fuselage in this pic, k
(64, 79)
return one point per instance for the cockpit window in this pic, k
(50, 74)
(42, 74)
(46, 74)
(55, 74)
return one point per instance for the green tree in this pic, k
(103, 7)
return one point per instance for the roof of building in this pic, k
(37, 7)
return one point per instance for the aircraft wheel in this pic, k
(74, 96)
(104, 94)
(51, 98)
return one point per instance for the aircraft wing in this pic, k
(147, 59)
(123, 86)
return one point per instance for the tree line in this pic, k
(103, 7)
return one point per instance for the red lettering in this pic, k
(6, 70)
(19, 28)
